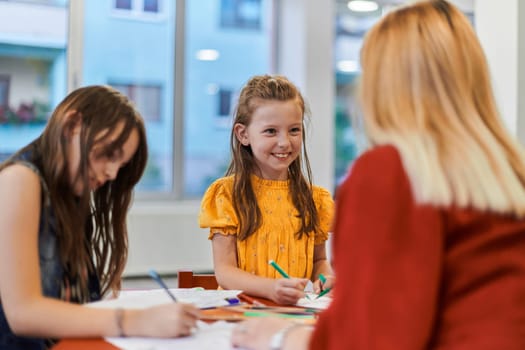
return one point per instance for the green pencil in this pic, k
(275, 314)
(323, 293)
(323, 280)
(278, 268)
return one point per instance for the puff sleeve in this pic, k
(325, 209)
(217, 212)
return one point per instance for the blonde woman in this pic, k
(429, 239)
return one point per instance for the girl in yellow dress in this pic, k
(266, 207)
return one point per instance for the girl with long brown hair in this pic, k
(63, 235)
(266, 207)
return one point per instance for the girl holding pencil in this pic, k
(266, 208)
(63, 235)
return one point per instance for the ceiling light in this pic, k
(207, 55)
(362, 5)
(347, 66)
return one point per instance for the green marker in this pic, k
(278, 268)
(323, 281)
(323, 293)
(275, 314)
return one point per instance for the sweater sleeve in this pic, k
(387, 260)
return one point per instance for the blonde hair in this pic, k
(426, 90)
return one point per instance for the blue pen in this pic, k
(230, 301)
(233, 301)
(278, 268)
(153, 274)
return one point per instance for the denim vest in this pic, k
(51, 269)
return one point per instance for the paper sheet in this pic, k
(315, 303)
(140, 299)
(214, 336)
(311, 300)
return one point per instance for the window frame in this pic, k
(288, 55)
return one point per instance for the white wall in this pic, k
(497, 27)
(31, 32)
(166, 236)
(502, 36)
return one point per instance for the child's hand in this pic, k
(162, 321)
(287, 291)
(323, 283)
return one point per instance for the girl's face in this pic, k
(275, 135)
(103, 167)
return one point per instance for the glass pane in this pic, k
(32, 68)
(151, 5)
(350, 29)
(241, 14)
(351, 26)
(123, 4)
(135, 54)
(219, 60)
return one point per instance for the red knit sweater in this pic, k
(419, 277)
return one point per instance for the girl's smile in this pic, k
(275, 136)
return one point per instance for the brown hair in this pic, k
(256, 91)
(91, 232)
(426, 89)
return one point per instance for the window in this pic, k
(226, 98)
(224, 104)
(186, 127)
(139, 9)
(32, 68)
(162, 70)
(240, 54)
(146, 98)
(350, 30)
(123, 4)
(241, 14)
(151, 6)
(142, 67)
(4, 94)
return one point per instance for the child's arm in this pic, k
(229, 276)
(28, 311)
(321, 266)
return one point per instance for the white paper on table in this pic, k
(139, 299)
(214, 336)
(311, 301)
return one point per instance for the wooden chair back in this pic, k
(187, 279)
